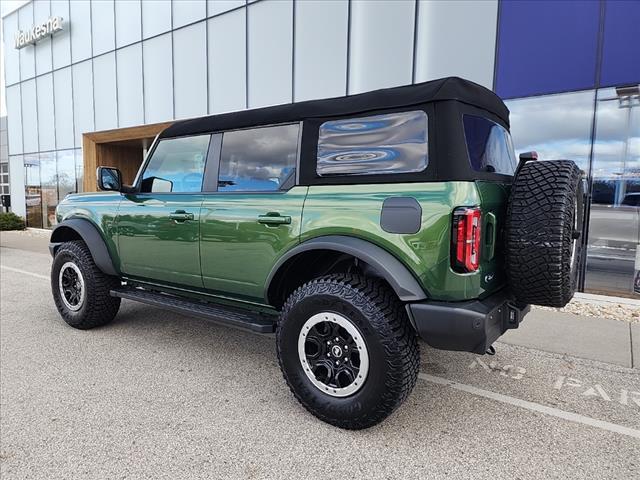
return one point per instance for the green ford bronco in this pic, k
(349, 227)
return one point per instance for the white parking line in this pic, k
(37, 275)
(535, 407)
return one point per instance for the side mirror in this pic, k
(109, 178)
(161, 185)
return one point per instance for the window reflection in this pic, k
(489, 146)
(177, 165)
(389, 143)
(556, 126)
(258, 159)
(32, 190)
(614, 223)
(49, 188)
(49, 177)
(79, 170)
(66, 173)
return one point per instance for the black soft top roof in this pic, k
(450, 88)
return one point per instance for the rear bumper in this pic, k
(470, 326)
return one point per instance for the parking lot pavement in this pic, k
(33, 240)
(158, 395)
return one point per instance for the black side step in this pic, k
(222, 314)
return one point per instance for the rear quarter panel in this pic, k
(354, 210)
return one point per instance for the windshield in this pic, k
(489, 146)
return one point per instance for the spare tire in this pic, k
(543, 228)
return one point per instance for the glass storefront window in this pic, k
(66, 173)
(4, 178)
(49, 177)
(614, 225)
(49, 188)
(559, 126)
(32, 190)
(556, 126)
(79, 170)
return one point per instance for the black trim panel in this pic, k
(470, 326)
(217, 313)
(212, 166)
(91, 237)
(392, 270)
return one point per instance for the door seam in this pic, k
(200, 241)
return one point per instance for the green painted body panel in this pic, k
(226, 253)
(354, 210)
(101, 209)
(494, 198)
(154, 246)
(238, 252)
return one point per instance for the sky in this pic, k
(6, 6)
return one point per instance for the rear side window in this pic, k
(177, 165)
(375, 145)
(489, 146)
(258, 159)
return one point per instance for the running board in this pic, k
(216, 313)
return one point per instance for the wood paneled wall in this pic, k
(126, 159)
(98, 149)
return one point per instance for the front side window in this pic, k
(177, 165)
(258, 159)
(375, 145)
(489, 146)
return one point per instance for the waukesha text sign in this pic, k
(38, 32)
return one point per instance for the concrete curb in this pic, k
(41, 231)
(605, 299)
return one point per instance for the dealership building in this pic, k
(92, 82)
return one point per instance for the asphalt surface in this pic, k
(157, 395)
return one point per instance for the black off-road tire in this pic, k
(543, 228)
(98, 307)
(394, 356)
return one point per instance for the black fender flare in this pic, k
(91, 237)
(390, 268)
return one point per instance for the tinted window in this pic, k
(390, 143)
(259, 159)
(177, 165)
(489, 146)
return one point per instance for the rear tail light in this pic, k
(465, 239)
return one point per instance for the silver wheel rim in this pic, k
(340, 364)
(71, 286)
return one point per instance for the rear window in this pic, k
(379, 144)
(489, 146)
